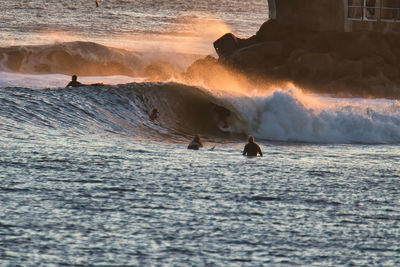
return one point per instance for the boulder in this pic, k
(311, 66)
(355, 45)
(256, 55)
(363, 63)
(346, 67)
(226, 45)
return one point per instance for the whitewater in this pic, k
(88, 179)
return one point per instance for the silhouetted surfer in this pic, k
(74, 82)
(252, 149)
(196, 143)
(223, 114)
(154, 114)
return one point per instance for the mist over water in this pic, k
(87, 178)
(124, 24)
(293, 116)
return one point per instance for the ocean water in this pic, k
(87, 179)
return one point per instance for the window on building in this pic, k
(390, 10)
(374, 10)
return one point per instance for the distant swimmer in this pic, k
(74, 82)
(195, 144)
(97, 4)
(154, 114)
(223, 114)
(252, 149)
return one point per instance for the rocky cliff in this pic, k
(362, 64)
(344, 64)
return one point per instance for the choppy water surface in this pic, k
(88, 180)
(39, 21)
(91, 200)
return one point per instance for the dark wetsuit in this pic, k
(223, 114)
(195, 145)
(74, 84)
(251, 149)
(154, 114)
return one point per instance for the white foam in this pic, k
(292, 116)
(41, 81)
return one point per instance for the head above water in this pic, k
(251, 139)
(74, 77)
(196, 138)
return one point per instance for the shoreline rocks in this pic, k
(358, 64)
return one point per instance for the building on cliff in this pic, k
(337, 15)
(342, 47)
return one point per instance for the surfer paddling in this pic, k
(195, 144)
(251, 149)
(74, 82)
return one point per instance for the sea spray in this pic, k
(286, 116)
(277, 115)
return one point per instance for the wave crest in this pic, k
(81, 58)
(287, 116)
(283, 115)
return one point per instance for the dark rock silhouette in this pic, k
(358, 64)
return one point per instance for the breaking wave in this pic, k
(82, 58)
(121, 109)
(283, 115)
(288, 116)
(85, 59)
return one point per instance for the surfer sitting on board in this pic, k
(154, 114)
(223, 114)
(196, 143)
(74, 82)
(252, 149)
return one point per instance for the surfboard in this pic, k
(224, 129)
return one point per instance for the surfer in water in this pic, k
(223, 114)
(154, 114)
(74, 82)
(251, 149)
(195, 144)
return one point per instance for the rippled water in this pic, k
(94, 200)
(39, 21)
(88, 180)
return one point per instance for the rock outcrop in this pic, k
(362, 64)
